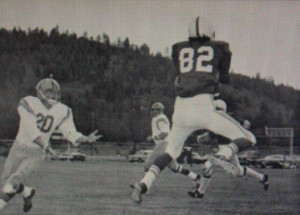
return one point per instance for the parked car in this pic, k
(74, 156)
(280, 161)
(139, 156)
(77, 156)
(249, 158)
(59, 157)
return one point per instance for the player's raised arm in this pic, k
(67, 127)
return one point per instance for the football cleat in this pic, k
(196, 194)
(28, 201)
(265, 182)
(227, 166)
(137, 195)
(201, 27)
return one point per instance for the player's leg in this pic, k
(173, 165)
(247, 171)
(224, 125)
(241, 139)
(200, 190)
(9, 189)
(24, 162)
(31, 162)
(157, 151)
(176, 167)
(176, 140)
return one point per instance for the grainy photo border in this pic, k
(149, 107)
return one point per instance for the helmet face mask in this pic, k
(201, 27)
(48, 91)
(157, 108)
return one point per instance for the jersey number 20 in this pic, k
(44, 122)
(187, 57)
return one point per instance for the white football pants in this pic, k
(199, 112)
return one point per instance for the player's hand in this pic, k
(93, 137)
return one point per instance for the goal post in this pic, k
(282, 132)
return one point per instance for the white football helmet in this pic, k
(201, 27)
(246, 124)
(48, 90)
(220, 105)
(157, 108)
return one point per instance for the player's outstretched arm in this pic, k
(92, 137)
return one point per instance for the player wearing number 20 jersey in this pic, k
(39, 117)
(47, 120)
(201, 65)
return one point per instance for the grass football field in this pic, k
(102, 187)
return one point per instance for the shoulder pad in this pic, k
(26, 103)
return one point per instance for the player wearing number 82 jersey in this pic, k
(201, 65)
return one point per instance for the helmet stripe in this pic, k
(197, 26)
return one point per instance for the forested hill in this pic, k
(111, 86)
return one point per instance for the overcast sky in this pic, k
(264, 35)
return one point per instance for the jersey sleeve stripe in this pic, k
(160, 120)
(25, 105)
(65, 118)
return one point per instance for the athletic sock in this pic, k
(149, 178)
(205, 181)
(6, 196)
(187, 172)
(158, 165)
(254, 174)
(26, 192)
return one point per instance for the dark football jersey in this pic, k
(201, 66)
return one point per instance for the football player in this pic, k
(202, 63)
(211, 139)
(39, 117)
(160, 130)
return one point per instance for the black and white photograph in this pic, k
(150, 107)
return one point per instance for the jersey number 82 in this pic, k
(203, 56)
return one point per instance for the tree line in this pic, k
(111, 85)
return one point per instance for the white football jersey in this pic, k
(159, 124)
(37, 120)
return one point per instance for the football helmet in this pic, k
(246, 124)
(48, 90)
(201, 27)
(157, 108)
